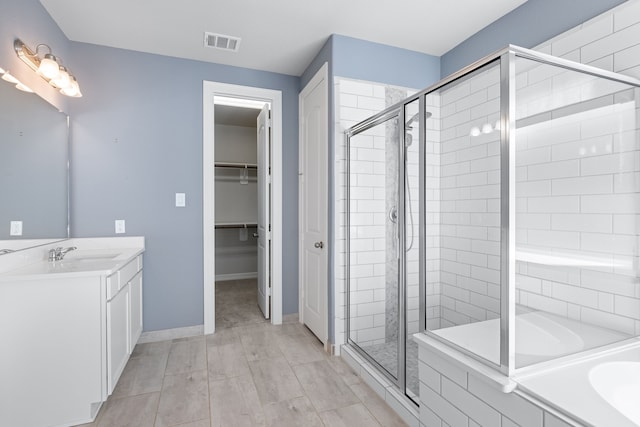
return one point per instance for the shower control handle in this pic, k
(318, 245)
(256, 235)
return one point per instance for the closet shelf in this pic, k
(220, 225)
(236, 165)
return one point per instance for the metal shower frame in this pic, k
(506, 61)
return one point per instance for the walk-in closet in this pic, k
(237, 208)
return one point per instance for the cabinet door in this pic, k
(135, 295)
(117, 336)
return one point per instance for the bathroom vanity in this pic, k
(67, 328)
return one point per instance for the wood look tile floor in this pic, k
(249, 373)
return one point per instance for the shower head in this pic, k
(408, 138)
(415, 117)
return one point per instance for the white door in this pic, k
(264, 209)
(313, 204)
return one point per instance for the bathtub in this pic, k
(603, 390)
(540, 336)
(589, 373)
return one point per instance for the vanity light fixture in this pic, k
(48, 67)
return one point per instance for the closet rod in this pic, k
(236, 165)
(239, 225)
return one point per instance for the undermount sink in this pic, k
(87, 256)
(618, 383)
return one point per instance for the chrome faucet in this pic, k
(6, 251)
(58, 253)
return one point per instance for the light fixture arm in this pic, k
(27, 55)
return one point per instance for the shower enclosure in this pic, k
(498, 211)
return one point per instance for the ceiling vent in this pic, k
(222, 42)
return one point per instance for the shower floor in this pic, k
(387, 355)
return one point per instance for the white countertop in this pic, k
(101, 256)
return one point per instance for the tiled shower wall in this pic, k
(469, 200)
(578, 178)
(580, 195)
(355, 101)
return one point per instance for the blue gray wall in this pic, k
(529, 25)
(137, 140)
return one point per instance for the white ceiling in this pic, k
(282, 36)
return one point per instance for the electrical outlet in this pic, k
(181, 200)
(16, 228)
(120, 226)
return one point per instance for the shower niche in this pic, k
(498, 212)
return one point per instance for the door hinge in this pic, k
(268, 179)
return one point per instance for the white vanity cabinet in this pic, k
(124, 317)
(66, 333)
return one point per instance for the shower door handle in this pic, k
(318, 245)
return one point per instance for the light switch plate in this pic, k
(120, 226)
(181, 200)
(16, 228)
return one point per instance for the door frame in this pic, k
(209, 90)
(321, 74)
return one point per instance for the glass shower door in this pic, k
(374, 242)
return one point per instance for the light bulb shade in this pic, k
(49, 67)
(63, 80)
(497, 126)
(475, 131)
(23, 87)
(73, 89)
(487, 128)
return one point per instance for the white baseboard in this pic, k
(236, 276)
(171, 334)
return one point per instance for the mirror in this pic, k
(34, 165)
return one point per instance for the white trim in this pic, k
(321, 74)
(236, 276)
(209, 89)
(171, 334)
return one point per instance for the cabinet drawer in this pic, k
(117, 280)
(128, 271)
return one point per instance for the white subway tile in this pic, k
(371, 103)
(596, 223)
(585, 147)
(627, 58)
(511, 405)
(533, 188)
(561, 169)
(529, 284)
(614, 203)
(599, 184)
(609, 243)
(574, 294)
(611, 163)
(590, 31)
(609, 282)
(540, 302)
(473, 407)
(356, 87)
(617, 41)
(533, 156)
(625, 306)
(528, 221)
(558, 204)
(626, 224)
(443, 409)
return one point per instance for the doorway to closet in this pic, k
(242, 212)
